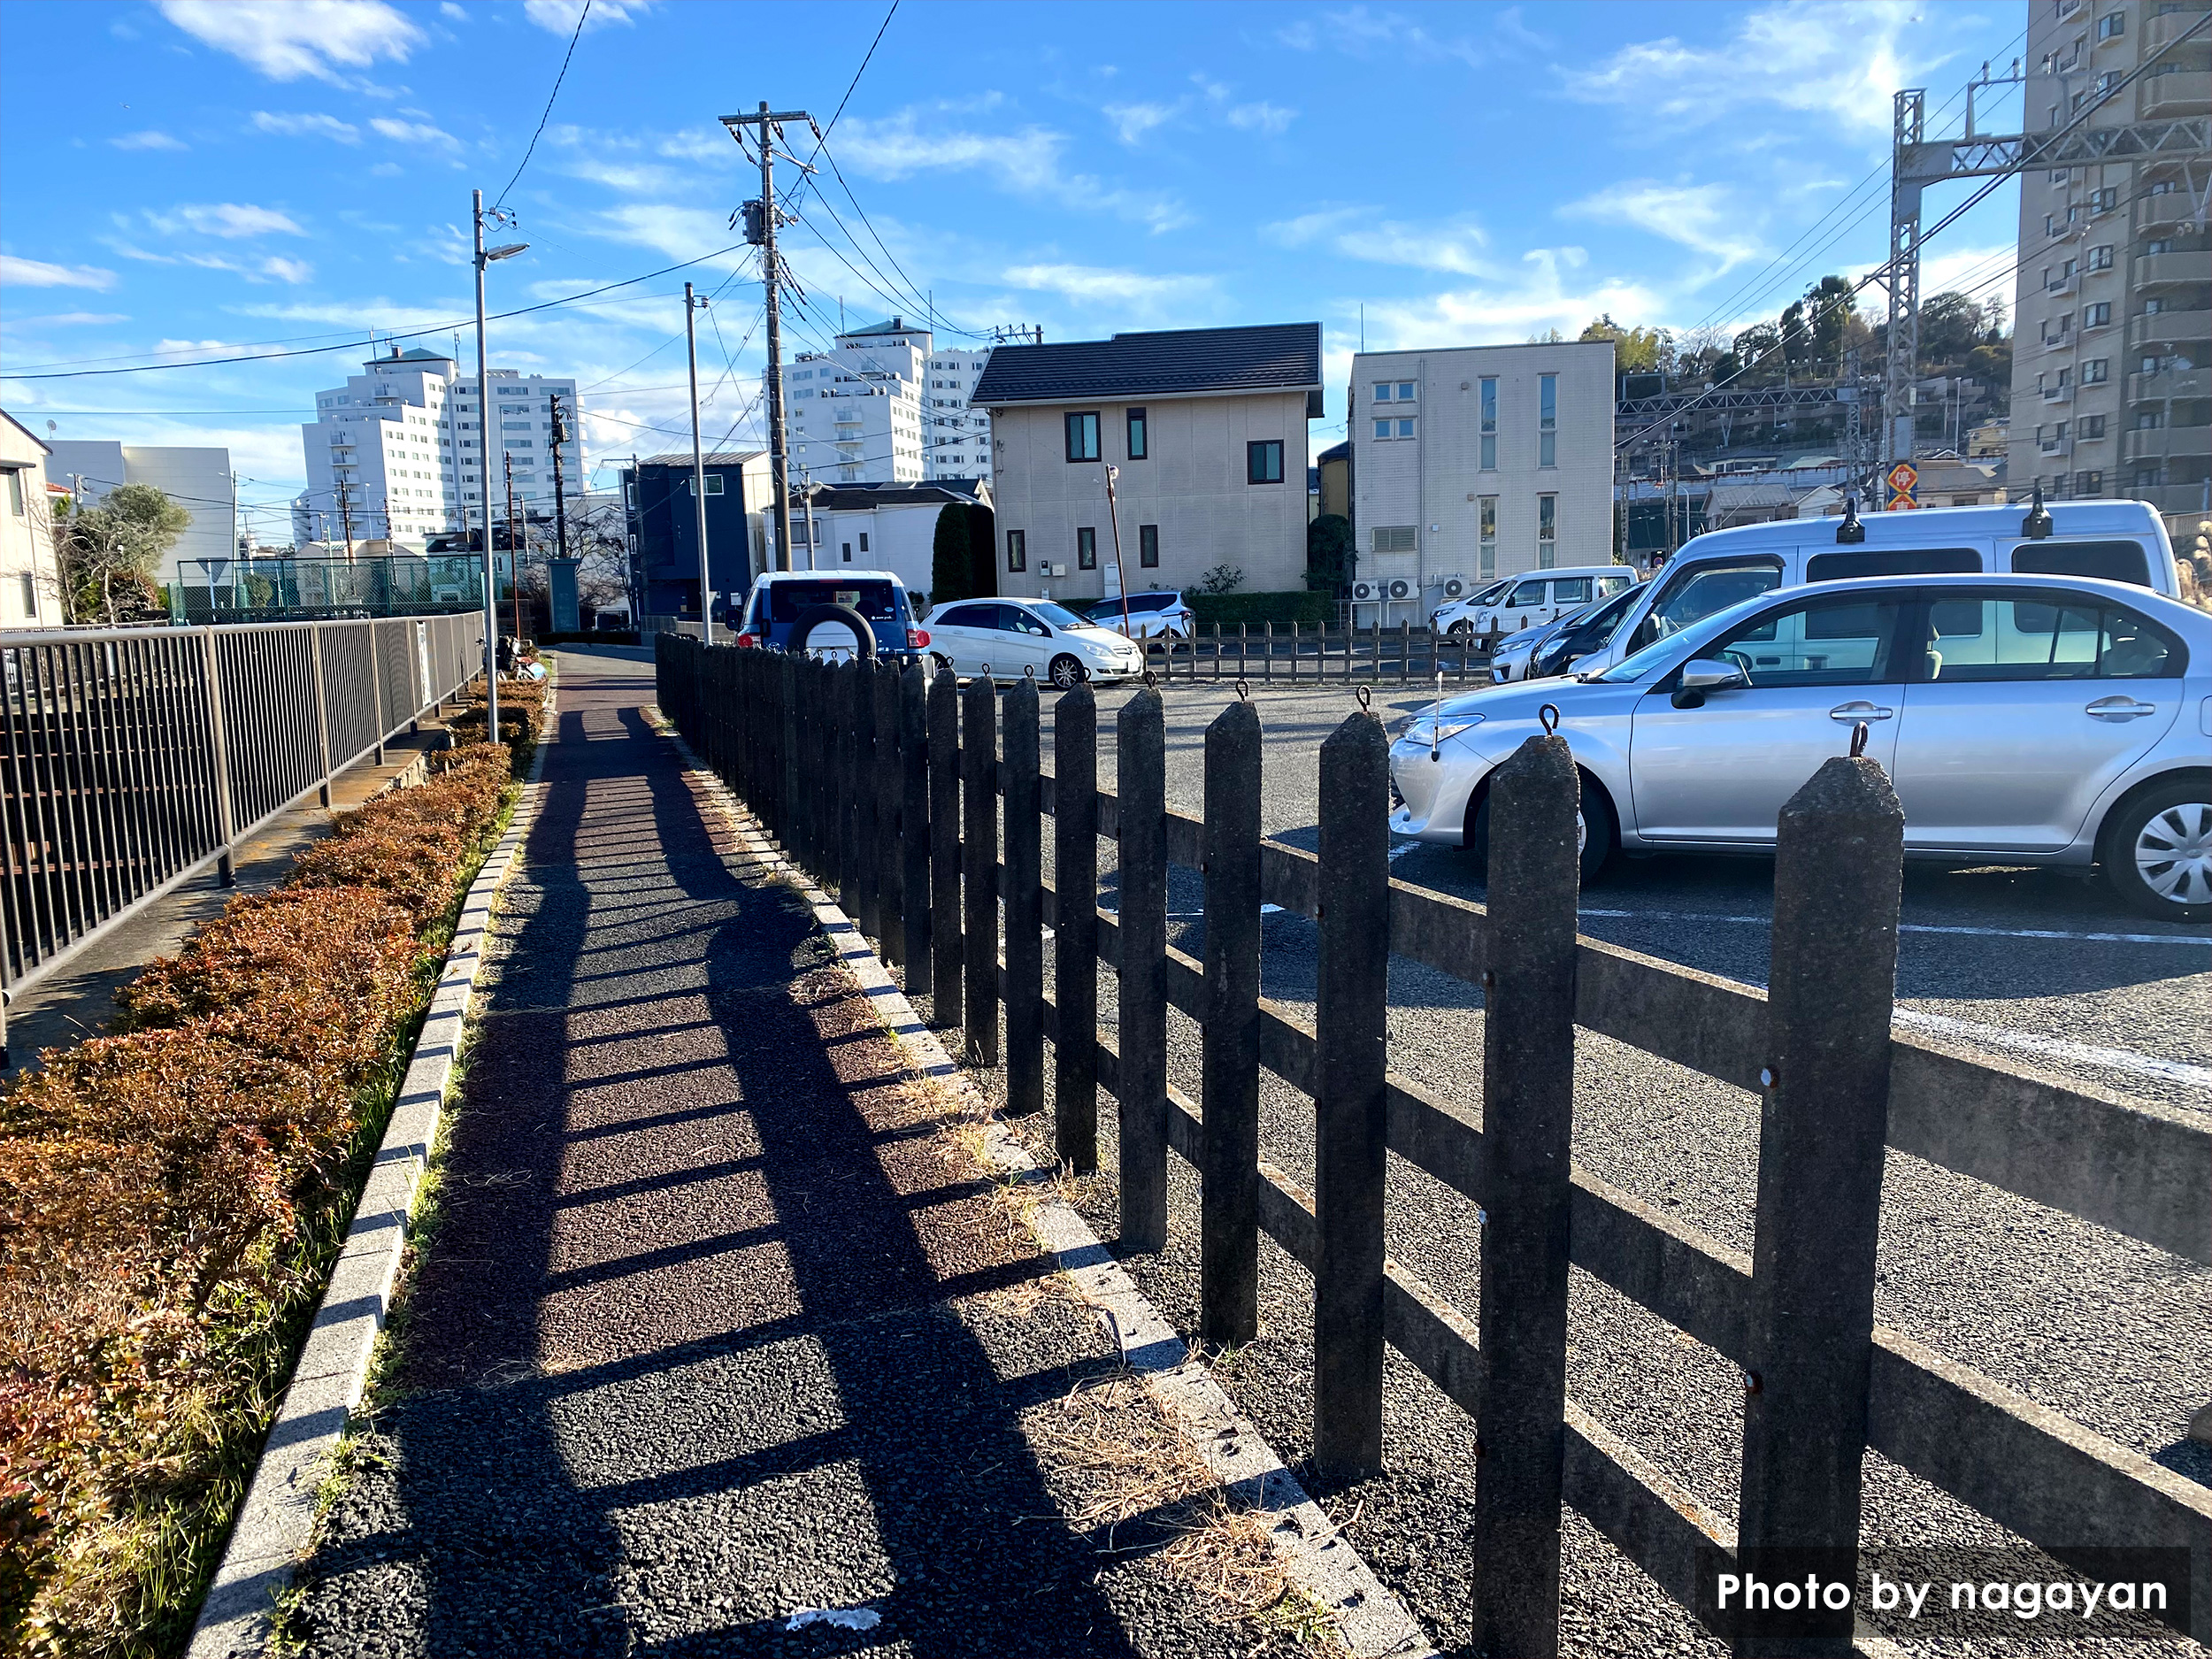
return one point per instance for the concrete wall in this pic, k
(1435, 480)
(1193, 487)
(197, 479)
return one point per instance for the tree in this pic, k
(1951, 325)
(1755, 351)
(1829, 305)
(982, 550)
(1635, 350)
(1328, 552)
(949, 557)
(109, 553)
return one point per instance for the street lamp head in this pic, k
(507, 251)
(1113, 473)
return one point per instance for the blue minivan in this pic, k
(831, 613)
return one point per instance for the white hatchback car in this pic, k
(1003, 639)
(2028, 719)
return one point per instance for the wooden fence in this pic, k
(887, 786)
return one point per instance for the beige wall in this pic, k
(1193, 487)
(26, 538)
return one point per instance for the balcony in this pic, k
(2188, 92)
(2167, 270)
(2156, 388)
(2058, 394)
(2169, 328)
(2179, 499)
(2164, 441)
(2062, 341)
(2054, 446)
(2169, 209)
(2161, 32)
(2061, 285)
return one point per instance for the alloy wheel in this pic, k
(2173, 853)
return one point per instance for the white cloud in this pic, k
(1545, 296)
(147, 140)
(288, 39)
(227, 219)
(1025, 163)
(1132, 121)
(37, 273)
(1094, 285)
(315, 126)
(68, 320)
(1363, 34)
(448, 9)
(1842, 58)
(415, 133)
(1699, 215)
(558, 17)
(1271, 118)
(1455, 245)
(292, 270)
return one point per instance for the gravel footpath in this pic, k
(2113, 1333)
(720, 1323)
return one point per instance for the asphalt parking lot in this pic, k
(2038, 970)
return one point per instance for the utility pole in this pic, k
(560, 496)
(345, 517)
(692, 305)
(760, 230)
(806, 503)
(1113, 517)
(484, 256)
(514, 546)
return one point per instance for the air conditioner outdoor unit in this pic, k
(1365, 592)
(1402, 590)
(1455, 587)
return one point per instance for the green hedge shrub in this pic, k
(1228, 609)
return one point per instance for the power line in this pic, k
(548, 115)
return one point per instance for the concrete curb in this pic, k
(276, 1522)
(1371, 1620)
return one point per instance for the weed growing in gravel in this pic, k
(172, 1197)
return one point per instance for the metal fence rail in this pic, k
(131, 759)
(1267, 651)
(1823, 1381)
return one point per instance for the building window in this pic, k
(1382, 391)
(30, 584)
(1017, 542)
(2097, 316)
(2112, 24)
(845, 551)
(2088, 426)
(1395, 538)
(2101, 258)
(1489, 522)
(1382, 430)
(1264, 460)
(15, 493)
(1546, 532)
(1083, 437)
(1085, 548)
(2089, 483)
(1386, 391)
(1148, 546)
(714, 483)
(2094, 370)
(1547, 420)
(2105, 200)
(1140, 444)
(1489, 426)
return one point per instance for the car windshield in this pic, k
(1638, 663)
(1059, 616)
(1495, 590)
(872, 599)
(1606, 617)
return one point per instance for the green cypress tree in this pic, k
(949, 577)
(982, 551)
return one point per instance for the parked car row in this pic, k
(2033, 689)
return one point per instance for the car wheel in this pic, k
(1462, 630)
(942, 662)
(1067, 673)
(1597, 836)
(2158, 855)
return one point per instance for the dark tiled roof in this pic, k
(1275, 356)
(713, 458)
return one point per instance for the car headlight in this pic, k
(1427, 731)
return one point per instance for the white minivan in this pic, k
(1541, 597)
(2113, 540)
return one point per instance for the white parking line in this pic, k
(2200, 941)
(2058, 1048)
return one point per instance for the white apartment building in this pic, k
(198, 480)
(2112, 331)
(396, 452)
(30, 584)
(1478, 462)
(885, 406)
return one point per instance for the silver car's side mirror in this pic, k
(1703, 675)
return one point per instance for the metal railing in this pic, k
(222, 591)
(133, 759)
(887, 789)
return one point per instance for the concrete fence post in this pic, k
(1075, 929)
(945, 928)
(1528, 1112)
(863, 903)
(1352, 987)
(1229, 1212)
(1024, 904)
(1141, 765)
(889, 784)
(1823, 1120)
(914, 888)
(979, 848)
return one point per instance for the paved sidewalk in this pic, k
(720, 1323)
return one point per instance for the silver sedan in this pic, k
(2036, 720)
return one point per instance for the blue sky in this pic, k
(211, 177)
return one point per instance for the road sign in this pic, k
(1902, 476)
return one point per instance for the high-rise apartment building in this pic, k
(397, 450)
(885, 406)
(2112, 349)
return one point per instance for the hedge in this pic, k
(1228, 609)
(172, 1194)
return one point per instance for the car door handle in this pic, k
(1859, 711)
(2119, 709)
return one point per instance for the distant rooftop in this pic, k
(1271, 356)
(713, 458)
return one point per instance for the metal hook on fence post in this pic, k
(1149, 678)
(1244, 689)
(1366, 696)
(1029, 671)
(1548, 717)
(1858, 739)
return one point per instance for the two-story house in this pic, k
(1206, 431)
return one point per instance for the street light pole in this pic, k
(699, 472)
(1113, 517)
(484, 256)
